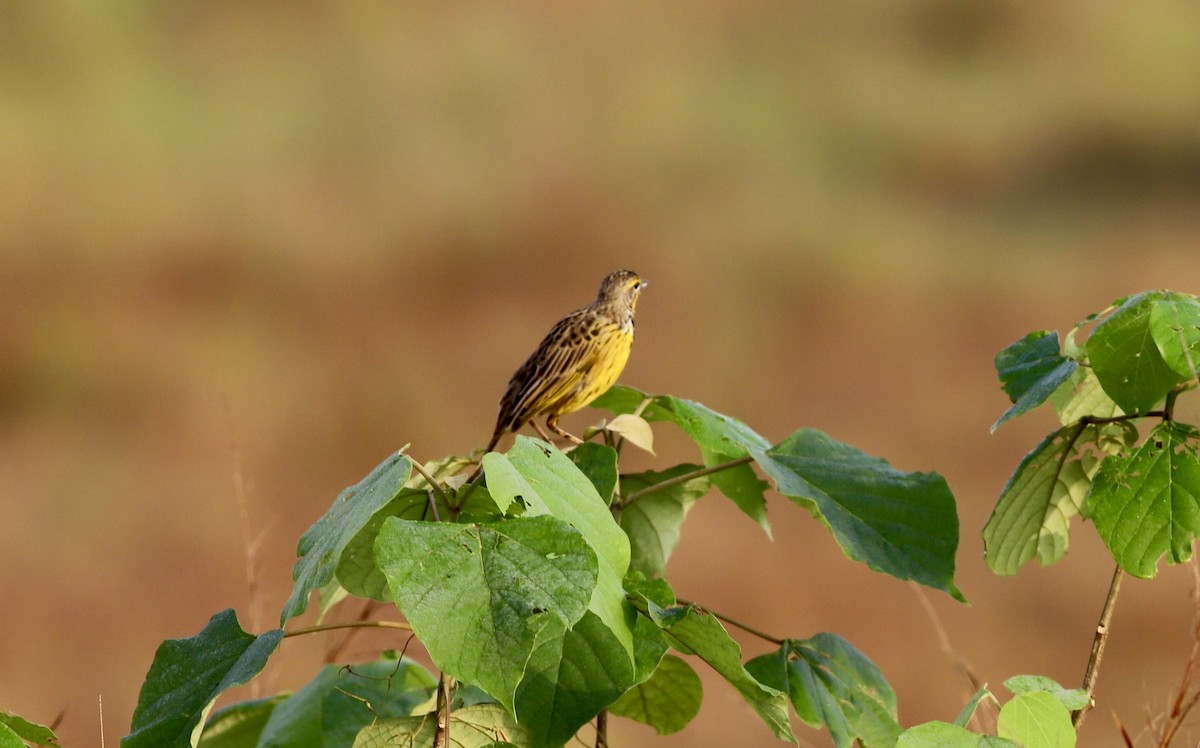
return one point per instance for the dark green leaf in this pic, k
(599, 463)
(743, 486)
(1030, 370)
(903, 524)
(477, 595)
(238, 725)
(1175, 325)
(357, 571)
(652, 522)
(691, 630)
(1034, 511)
(1147, 504)
(187, 675)
(570, 677)
(1126, 358)
(322, 544)
(22, 729)
(833, 684)
(668, 701)
(1036, 719)
(549, 483)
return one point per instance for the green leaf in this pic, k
(322, 544)
(1036, 719)
(356, 569)
(691, 630)
(477, 595)
(833, 684)
(1175, 325)
(1147, 505)
(599, 463)
(1032, 516)
(1081, 396)
(652, 522)
(1126, 359)
(187, 675)
(9, 738)
(477, 726)
(549, 483)
(20, 728)
(238, 725)
(667, 701)
(903, 524)
(1030, 370)
(1071, 698)
(946, 735)
(333, 707)
(743, 487)
(570, 677)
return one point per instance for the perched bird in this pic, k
(577, 361)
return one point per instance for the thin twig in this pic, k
(951, 654)
(602, 729)
(347, 625)
(1186, 698)
(1101, 638)
(733, 622)
(685, 477)
(441, 735)
(434, 486)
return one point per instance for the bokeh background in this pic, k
(249, 249)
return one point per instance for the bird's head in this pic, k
(620, 290)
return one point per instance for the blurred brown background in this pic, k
(267, 244)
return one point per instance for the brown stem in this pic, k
(1101, 638)
(441, 734)
(347, 625)
(602, 729)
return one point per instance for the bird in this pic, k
(578, 360)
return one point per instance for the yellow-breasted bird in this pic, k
(577, 361)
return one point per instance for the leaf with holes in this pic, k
(1147, 504)
(1125, 356)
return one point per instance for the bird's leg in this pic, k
(552, 422)
(541, 432)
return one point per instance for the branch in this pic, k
(685, 478)
(732, 622)
(433, 484)
(347, 625)
(1101, 638)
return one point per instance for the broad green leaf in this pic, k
(1036, 719)
(903, 524)
(968, 711)
(331, 709)
(832, 684)
(570, 677)
(1071, 698)
(1082, 396)
(549, 483)
(356, 569)
(1147, 504)
(1175, 325)
(668, 701)
(946, 735)
(652, 522)
(1032, 516)
(322, 544)
(691, 630)
(743, 487)
(22, 729)
(1030, 370)
(657, 591)
(9, 738)
(187, 675)
(238, 725)
(477, 595)
(599, 463)
(1126, 358)
(477, 726)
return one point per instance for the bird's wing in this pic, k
(554, 370)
